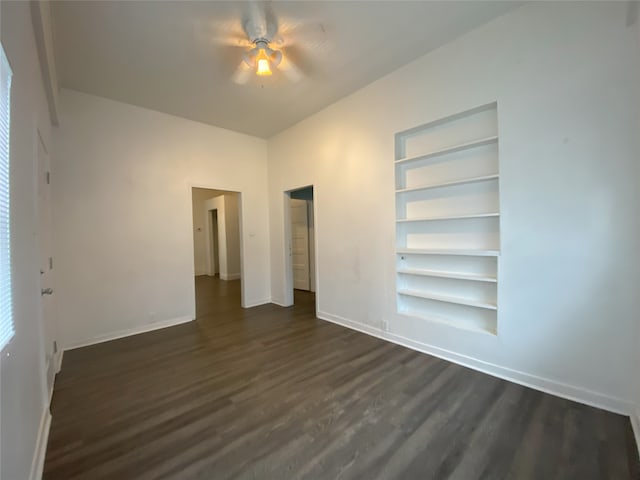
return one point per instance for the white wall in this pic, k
(122, 213)
(562, 76)
(23, 399)
(200, 237)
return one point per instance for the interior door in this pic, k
(46, 263)
(300, 244)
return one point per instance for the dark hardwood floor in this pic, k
(274, 393)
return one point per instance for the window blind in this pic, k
(6, 297)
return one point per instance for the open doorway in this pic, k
(301, 245)
(216, 250)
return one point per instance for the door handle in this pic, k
(46, 291)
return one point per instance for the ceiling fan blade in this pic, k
(290, 70)
(242, 75)
(308, 35)
(255, 20)
(232, 40)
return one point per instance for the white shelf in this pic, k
(453, 275)
(466, 253)
(448, 119)
(447, 299)
(484, 178)
(453, 149)
(440, 190)
(448, 217)
(448, 322)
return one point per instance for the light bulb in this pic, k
(262, 63)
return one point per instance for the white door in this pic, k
(46, 264)
(300, 244)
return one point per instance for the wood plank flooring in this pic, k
(274, 393)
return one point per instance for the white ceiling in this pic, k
(171, 57)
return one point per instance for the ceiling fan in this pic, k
(265, 44)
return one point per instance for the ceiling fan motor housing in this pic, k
(275, 56)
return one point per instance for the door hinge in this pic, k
(55, 347)
(50, 263)
(48, 178)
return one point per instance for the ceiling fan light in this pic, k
(262, 64)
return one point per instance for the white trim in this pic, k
(58, 360)
(564, 390)
(41, 18)
(229, 276)
(280, 303)
(635, 425)
(256, 303)
(131, 331)
(37, 463)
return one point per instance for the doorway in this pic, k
(217, 251)
(300, 235)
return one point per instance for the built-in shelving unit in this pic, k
(448, 220)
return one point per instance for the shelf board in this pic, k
(447, 119)
(452, 275)
(465, 253)
(453, 149)
(448, 217)
(448, 322)
(447, 299)
(464, 181)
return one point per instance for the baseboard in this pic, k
(570, 392)
(58, 360)
(131, 331)
(37, 463)
(57, 366)
(635, 425)
(229, 276)
(256, 303)
(280, 303)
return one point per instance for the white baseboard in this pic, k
(57, 366)
(635, 424)
(229, 276)
(256, 303)
(37, 463)
(58, 360)
(280, 303)
(131, 331)
(570, 392)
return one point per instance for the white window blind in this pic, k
(6, 297)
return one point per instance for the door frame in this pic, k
(52, 365)
(243, 273)
(288, 264)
